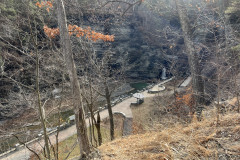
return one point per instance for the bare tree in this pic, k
(34, 47)
(84, 145)
(197, 82)
(91, 98)
(110, 78)
(104, 76)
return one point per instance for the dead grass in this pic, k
(179, 140)
(152, 117)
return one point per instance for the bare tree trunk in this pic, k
(218, 98)
(174, 90)
(93, 131)
(108, 98)
(90, 131)
(58, 129)
(77, 98)
(193, 59)
(41, 110)
(98, 126)
(238, 105)
(93, 120)
(236, 91)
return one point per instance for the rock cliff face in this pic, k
(142, 41)
(147, 42)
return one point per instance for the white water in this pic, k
(163, 73)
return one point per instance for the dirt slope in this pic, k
(197, 140)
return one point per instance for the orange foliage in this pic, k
(184, 105)
(73, 29)
(186, 99)
(79, 32)
(51, 33)
(47, 4)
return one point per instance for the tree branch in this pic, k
(130, 5)
(27, 147)
(98, 92)
(18, 82)
(21, 51)
(74, 145)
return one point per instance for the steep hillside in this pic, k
(197, 140)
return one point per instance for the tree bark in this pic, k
(98, 126)
(108, 98)
(84, 145)
(193, 59)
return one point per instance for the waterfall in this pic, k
(163, 73)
